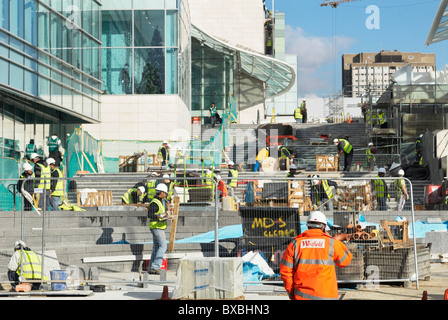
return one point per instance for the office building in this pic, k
(372, 72)
(49, 73)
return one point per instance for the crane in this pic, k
(334, 4)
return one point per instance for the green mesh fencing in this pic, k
(86, 154)
(83, 153)
(10, 172)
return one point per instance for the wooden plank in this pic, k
(174, 225)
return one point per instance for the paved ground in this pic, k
(118, 287)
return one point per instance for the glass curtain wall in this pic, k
(21, 123)
(212, 79)
(140, 47)
(50, 50)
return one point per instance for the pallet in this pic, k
(96, 199)
(327, 163)
(388, 238)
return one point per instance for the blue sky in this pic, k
(320, 35)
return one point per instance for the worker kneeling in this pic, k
(307, 268)
(24, 265)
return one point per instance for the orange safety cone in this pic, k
(165, 294)
(445, 297)
(425, 295)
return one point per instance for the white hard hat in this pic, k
(336, 141)
(165, 141)
(370, 144)
(142, 189)
(304, 99)
(231, 163)
(27, 166)
(421, 135)
(401, 172)
(379, 110)
(381, 170)
(316, 217)
(218, 177)
(20, 243)
(315, 180)
(162, 187)
(51, 161)
(166, 176)
(34, 156)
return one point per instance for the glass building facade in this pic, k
(140, 47)
(49, 70)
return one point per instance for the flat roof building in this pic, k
(372, 71)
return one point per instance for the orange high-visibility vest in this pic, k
(308, 267)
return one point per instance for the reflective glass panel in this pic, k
(149, 28)
(117, 29)
(149, 71)
(117, 71)
(4, 14)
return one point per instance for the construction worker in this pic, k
(163, 153)
(401, 193)
(208, 182)
(292, 171)
(212, 112)
(42, 172)
(133, 195)
(285, 153)
(222, 188)
(304, 111)
(56, 185)
(150, 188)
(261, 156)
(171, 184)
(322, 193)
(344, 147)
(233, 182)
(54, 143)
(157, 214)
(27, 184)
(370, 156)
(30, 149)
(419, 150)
(24, 265)
(298, 115)
(307, 268)
(380, 190)
(382, 119)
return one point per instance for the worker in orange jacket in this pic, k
(222, 188)
(307, 268)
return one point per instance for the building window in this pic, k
(149, 28)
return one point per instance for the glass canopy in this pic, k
(439, 28)
(278, 75)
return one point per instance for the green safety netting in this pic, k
(10, 172)
(83, 153)
(86, 154)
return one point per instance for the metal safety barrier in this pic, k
(261, 214)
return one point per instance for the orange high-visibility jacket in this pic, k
(308, 266)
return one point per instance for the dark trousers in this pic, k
(348, 157)
(14, 278)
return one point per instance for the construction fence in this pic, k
(260, 215)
